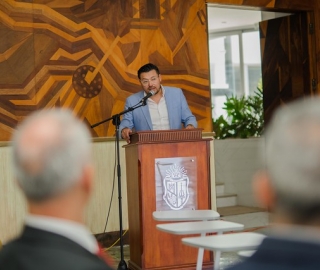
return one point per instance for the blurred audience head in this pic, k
(51, 153)
(290, 185)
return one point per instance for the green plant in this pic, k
(244, 117)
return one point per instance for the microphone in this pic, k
(144, 99)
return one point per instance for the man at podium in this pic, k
(166, 108)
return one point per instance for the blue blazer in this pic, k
(177, 106)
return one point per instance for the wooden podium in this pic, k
(166, 170)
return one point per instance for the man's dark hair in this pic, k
(146, 68)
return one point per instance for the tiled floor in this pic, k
(115, 253)
(227, 258)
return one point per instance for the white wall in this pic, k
(236, 161)
(13, 206)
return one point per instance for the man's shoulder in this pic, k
(170, 90)
(134, 98)
(19, 254)
(136, 95)
(10, 246)
(10, 253)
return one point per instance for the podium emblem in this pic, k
(176, 184)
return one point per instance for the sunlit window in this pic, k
(235, 66)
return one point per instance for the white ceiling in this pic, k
(222, 19)
(227, 19)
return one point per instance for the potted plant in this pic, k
(244, 117)
(236, 160)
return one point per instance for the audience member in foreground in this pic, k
(53, 167)
(290, 188)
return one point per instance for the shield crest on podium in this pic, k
(176, 183)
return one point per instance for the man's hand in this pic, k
(125, 134)
(189, 126)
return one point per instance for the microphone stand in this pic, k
(116, 121)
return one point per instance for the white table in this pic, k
(226, 242)
(202, 227)
(246, 253)
(185, 215)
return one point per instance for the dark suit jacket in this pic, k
(283, 254)
(41, 250)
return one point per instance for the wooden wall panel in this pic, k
(285, 61)
(84, 55)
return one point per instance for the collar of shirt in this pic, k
(72, 230)
(163, 90)
(159, 113)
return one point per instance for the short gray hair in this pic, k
(50, 165)
(293, 159)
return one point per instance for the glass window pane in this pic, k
(251, 48)
(252, 61)
(224, 70)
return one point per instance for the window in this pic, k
(235, 66)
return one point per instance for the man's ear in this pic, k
(263, 190)
(88, 175)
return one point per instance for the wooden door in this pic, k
(287, 45)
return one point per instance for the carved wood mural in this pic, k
(84, 55)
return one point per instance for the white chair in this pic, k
(201, 227)
(225, 243)
(185, 215)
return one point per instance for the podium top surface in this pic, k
(185, 215)
(172, 135)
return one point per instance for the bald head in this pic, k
(50, 149)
